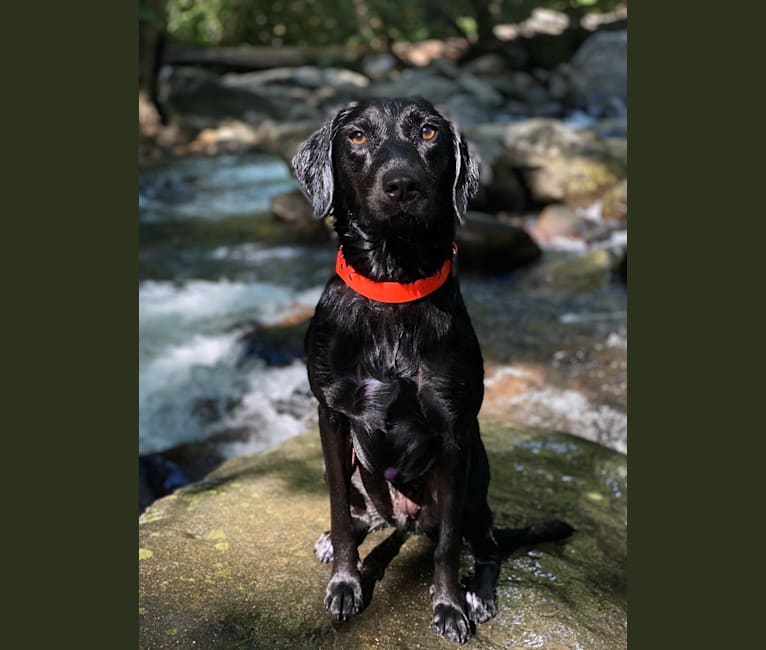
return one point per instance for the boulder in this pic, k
(228, 137)
(310, 77)
(201, 99)
(600, 72)
(491, 246)
(481, 91)
(492, 65)
(620, 269)
(227, 562)
(378, 66)
(426, 82)
(293, 208)
(283, 138)
(559, 221)
(575, 274)
(615, 202)
(557, 163)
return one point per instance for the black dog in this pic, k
(392, 356)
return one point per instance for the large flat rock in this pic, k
(228, 563)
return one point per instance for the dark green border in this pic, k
(70, 246)
(689, 227)
(70, 251)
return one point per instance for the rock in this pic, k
(306, 76)
(283, 138)
(481, 91)
(535, 141)
(228, 563)
(421, 53)
(378, 66)
(345, 79)
(163, 472)
(293, 208)
(463, 109)
(536, 94)
(275, 345)
(487, 65)
(503, 383)
(558, 86)
(620, 269)
(547, 109)
(519, 85)
(490, 246)
(437, 90)
(546, 21)
(546, 51)
(576, 180)
(149, 121)
(201, 99)
(600, 72)
(504, 191)
(442, 67)
(228, 137)
(517, 109)
(577, 273)
(559, 221)
(556, 162)
(615, 202)
(489, 140)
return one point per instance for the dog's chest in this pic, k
(391, 340)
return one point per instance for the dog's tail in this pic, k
(550, 530)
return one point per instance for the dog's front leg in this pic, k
(344, 591)
(449, 617)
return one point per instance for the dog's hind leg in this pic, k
(481, 588)
(323, 546)
(449, 617)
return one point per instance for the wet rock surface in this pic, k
(227, 562)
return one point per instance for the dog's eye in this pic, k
(357, 137)
(427, 132)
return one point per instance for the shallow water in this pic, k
(212, 188)
(214, 265)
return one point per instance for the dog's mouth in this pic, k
(416, 210)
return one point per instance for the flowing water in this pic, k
(218, 274)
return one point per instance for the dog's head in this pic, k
(387, 159)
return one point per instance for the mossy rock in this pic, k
(227, 562)
(615, 202)
(557, 163)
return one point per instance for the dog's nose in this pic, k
(400, 186)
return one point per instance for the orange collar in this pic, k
(392, 292)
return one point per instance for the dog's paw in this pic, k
(344, 597)
(450, 621)
(323, 547)
(480, 608)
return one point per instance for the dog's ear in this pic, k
(313, 165)
(466, 175)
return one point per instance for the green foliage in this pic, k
(329, 22)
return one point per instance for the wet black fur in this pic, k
(400, 384)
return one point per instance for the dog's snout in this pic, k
(400, 186)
